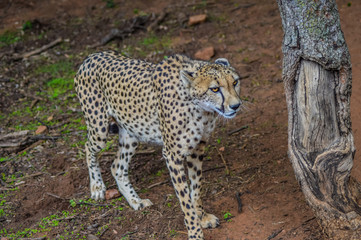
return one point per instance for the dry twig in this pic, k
(157, 184)
(19, 140)
(237, 130)
(243, 6)
(39, 50)
(239, 201)
(39, 238)
(211, 169)
(56, 196)
(274, 234)
(128, 234)
(224, 162)
(159, 19)
(35, 144)
(136, 23)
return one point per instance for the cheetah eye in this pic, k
(235, 83)
(215, 89)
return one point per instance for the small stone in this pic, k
(41, 129)
(193, 20)
(39, 148)
(205, 53)
(94, 226)
(92, 237)
(111, 193)
(182, 18)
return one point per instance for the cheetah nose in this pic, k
(235, 106)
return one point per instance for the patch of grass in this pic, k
(227, 216)
(138, 12)
(128, 51)
(59, 86)
(201, 5)
(173, 233)
(62, 74)
(79, 144)
(109, 3)
(4, 159)
(58, 69)
(44, 225)
(153, 44)
(9, 37)
(218, 18)
(28, 126)
(160, 173)
(156, 42)
(150, 40)
(27, 25)
(72, 203)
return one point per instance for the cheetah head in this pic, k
(214, 87)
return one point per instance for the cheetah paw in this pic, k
(143, 203)
(98, 191)
(209, 221)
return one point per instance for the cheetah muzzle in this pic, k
(174, 103)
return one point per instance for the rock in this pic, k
(182, 18)
(205, 53)
(193, 20)
(41, 129)
(92, 237)
(39, 148)
(112, 193)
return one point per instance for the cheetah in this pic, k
(174, 103)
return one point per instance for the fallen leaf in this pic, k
(41, 129)
(111, 193)
(193, 20)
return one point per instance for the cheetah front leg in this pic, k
(127, 147)
(194, 163)
(97, 186)
(179, 180)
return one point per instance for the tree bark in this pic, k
(317, 80)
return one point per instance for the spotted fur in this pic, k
(174, 103)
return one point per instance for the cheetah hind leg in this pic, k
(127, 146)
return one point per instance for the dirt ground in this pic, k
(44, 188)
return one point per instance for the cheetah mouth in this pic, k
(229, 115)
(226, 115)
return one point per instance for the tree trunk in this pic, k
(317, 79)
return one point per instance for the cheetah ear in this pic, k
(186, 78)
(222, 61)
